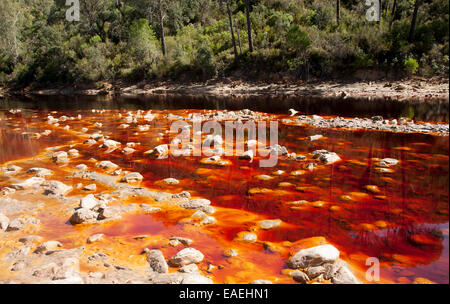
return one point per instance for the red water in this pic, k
(405, 225)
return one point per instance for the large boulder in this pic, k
(198, 203)
(187, 256)
(157, 262)
(340, 273)
(326, 156)
(314, 256)
(40, 172)
(83, 215)
(55, 188)
(60, 157)
(29, 183)
(89, 202)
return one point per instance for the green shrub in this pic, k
(411, 66)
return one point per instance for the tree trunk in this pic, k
(231, 29)
(338, 11)
(238, 37)
(379, 11)
(161, 25)
(249, 26)
(413, 21)
(394, 6)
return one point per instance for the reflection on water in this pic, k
(405, 224)
(350, 107)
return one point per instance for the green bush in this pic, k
(411, 66)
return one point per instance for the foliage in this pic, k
(120, 40)
(411, 66)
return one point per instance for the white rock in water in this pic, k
(96, 136)
(48, 246)
(269, 224)
(277, 150)
(90, 187)
(128, 150)
(89, 202)
(144, 128)
(326, 156)
(40, 172)
(14, 168)
(73, 153)
(111, 144)
(60, 156)
(315, 137)
(314, 256)
(191, 268)
(197, 203)
(95, 238)
(387, 162)
(83, 215)
(29, 183)
(132, 178)
(249, 237)
(159, 150)
(55, 188)
(81, 167)
(171, 181)
(107, 165)
(208, 220)
(339, 273)
(187, 256)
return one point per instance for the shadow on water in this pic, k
(350, 107)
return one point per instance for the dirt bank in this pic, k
(435, 89)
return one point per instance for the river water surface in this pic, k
(404, 223)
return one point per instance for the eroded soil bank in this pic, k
(92, 196)
(417, 89)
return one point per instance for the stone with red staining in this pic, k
(187, 256)
(373, 189)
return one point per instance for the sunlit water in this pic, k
(405, 225)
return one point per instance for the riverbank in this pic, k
(420, 89)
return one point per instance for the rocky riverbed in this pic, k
(96, 197)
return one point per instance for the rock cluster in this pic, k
(374, 123)
(322, 260)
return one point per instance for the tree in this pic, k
(249, 25)
(230, 20)
(98, 14)
(161, 27)
(338, 9)
(413, 21)
(11, 21)
(394, 7)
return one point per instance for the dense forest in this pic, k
(136, 40)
